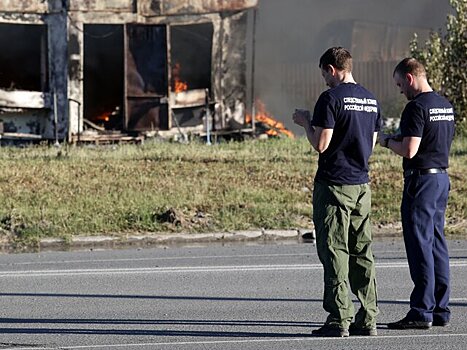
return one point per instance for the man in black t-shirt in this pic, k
(343, 130)
(427, 131)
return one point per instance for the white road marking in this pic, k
(256, 256)
(451, 300)
(191, 269)
(248, 341)
(156, 259)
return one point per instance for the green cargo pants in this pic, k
(341, 215)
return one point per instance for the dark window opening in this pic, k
(103, 75)
(191, 48)
(23, 58)
(147, 114)
(191, 116)
(146, 78)
(147, 60)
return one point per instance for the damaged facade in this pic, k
(122, 66)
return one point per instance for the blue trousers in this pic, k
(423, 210)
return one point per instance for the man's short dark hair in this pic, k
(338, 57)
(409, 65)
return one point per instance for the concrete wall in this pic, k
(31, 6)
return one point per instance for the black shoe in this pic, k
(409, 324)
(329, 330)
(440, 323)
(354, 330)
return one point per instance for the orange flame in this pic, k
(263, 116)
(179, 85)
(104, 116)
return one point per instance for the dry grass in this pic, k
(164, 187)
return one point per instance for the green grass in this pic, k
(49, 192)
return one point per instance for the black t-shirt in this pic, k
(431, 117)
(354, 115)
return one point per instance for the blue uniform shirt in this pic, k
(354, 115)
(431, 117)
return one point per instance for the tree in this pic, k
(445, 59)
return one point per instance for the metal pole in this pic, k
(79, 118)
(253, 58)
(208, 117)
(79, 122)
(56, 120)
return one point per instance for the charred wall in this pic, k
(102, 5)
(233, 71)
(27, 6)
(56, 126)
(190, 7)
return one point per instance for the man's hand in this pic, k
(318, 137)
(301, 117)
(383, 139)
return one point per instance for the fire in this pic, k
(104, 116)
(275, 127)
(178, 84)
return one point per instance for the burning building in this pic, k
(123, 67)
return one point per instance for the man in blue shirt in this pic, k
(427, 131)
(343, 130)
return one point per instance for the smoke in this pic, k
(291, 36)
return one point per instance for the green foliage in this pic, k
(445, 58)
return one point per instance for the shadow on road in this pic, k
(155, 297)
(189, 297)
(160, 333)
(248, 323)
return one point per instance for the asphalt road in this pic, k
(214, 297)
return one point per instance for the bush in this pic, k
(445, 59)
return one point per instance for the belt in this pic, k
(411, 172)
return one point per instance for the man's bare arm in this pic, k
(407, 147)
